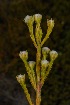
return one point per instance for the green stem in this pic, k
(33, 81)
(47, 72)
(34, 42)
(32, 35)
(37, 34)
(47, 36)
(38, 89)
(27, 94)
(49, 68)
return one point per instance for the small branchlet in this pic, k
(50, 24)
(44, 65)
(24, 56)
(37, 70)
(21, 80)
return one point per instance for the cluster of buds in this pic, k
(47, 65)
(42, 66)
(46, 51)
(29, 67)
(30, 19)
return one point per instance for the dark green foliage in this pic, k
(14, 36)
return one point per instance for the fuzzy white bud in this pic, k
(45, 50)
(44, 63)
(50, 23)
(20, 78)
(31, 64)
(23, 55)
(29, 19)
(53, 54)
(38, 17)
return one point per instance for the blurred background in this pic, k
(14, 37)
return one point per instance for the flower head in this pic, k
(50, 23)
(45, 50)
(21, 78)
(29, 20)
(53, 54)
(44, 63)
(23, 55)
(31, 64)
(38, 18)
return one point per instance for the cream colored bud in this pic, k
(45, 50)
(20, 78)
(23, 55)
(38, 18)
(53, 54)
(31, 64)
(29, 19)
(50, 23)
(44, 63)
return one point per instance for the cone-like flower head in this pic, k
(23, 55)
(21, 78)
(53, 55)
(45, 50)
(29, 20)
(44, 63)
(31, 64)
(50, 23)
(38, 18)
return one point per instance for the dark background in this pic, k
(14, 37)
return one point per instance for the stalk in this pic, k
(38, 89)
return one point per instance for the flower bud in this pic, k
(53, 55)
(45, 50)
(23, 55)
(44, 63)
(38, 18)
(21, 78)
(50, 23)
(29, 20)
(31, 64)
